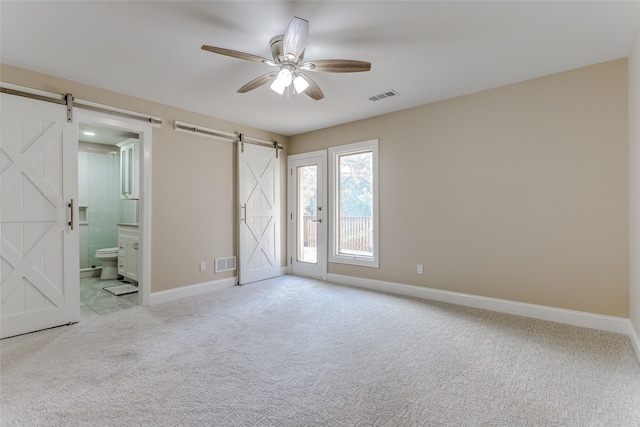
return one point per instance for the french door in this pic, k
(39, 252)
(259, 197)
(307, 214)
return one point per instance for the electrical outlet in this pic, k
(420, 269)
(203, 266)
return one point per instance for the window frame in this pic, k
(334, 197)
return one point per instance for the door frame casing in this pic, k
(322, 201)
(144, 131)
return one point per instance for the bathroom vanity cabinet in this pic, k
(128, 245)
(129, 188)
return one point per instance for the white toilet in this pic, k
(109, 258)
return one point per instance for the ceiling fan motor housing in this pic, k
(279, 56)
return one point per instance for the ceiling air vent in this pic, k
(383, 95)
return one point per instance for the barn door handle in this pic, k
(244, 213)
(71, 209)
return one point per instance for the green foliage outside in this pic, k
(355, 185)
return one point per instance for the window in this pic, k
(353, 225)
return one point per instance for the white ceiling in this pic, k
(426, 51)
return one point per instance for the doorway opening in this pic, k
(114, 213)
(108, 219)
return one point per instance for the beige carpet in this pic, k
(297, 352)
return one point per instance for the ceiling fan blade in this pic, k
(313, 90)
(256, 83)
(295, 38)
(236, 54)
(337, 66)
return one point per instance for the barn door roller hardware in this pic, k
(70, 102)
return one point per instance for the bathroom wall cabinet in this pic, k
(128, 249)
(129, 187)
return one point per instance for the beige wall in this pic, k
(194, 215)
(518, 192)
(634, 182)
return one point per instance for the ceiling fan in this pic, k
(288, 53)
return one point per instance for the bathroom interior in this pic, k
(108, 197)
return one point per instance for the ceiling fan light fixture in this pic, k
(282, 81)
(285, 77)
(300, 83)
(278, 87)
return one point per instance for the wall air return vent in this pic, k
(225, 264)
(384, 95)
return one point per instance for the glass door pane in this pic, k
(307, 214)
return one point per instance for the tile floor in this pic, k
(95, 301)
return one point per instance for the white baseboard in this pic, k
(285, 270)
(571, 317)
(85, 273)
(635, 339)
(191, 290)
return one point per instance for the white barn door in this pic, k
(259, 196)
(39, 251)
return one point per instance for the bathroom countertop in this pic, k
(128, 224)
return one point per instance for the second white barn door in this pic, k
(259, 197)
(39, 164)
